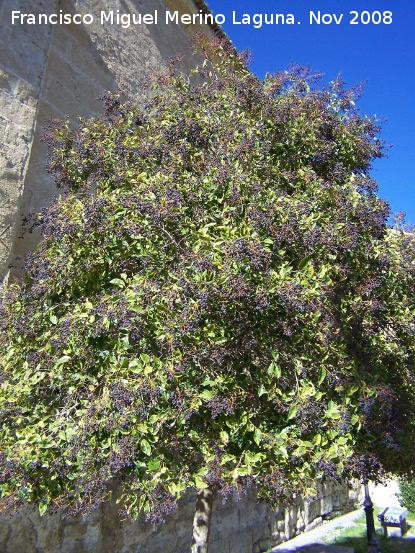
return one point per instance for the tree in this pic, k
(216, 303)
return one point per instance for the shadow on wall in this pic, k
(59, 71)
(244, 526)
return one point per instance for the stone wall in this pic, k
(244, 526)
(60, 70)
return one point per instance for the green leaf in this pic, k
(283, 450)
(225, 436)
(262, 390)
(43, 505)
(199, 483)
(153, 465)
(292, 412)
(242, 471)
(274, 370)
(146, 447)
(257, 436)
(317, 439)
(62, 360)
(322, 375)
(304, 261)
(118, 282)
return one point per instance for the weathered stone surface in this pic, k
(59, 70)
(23, 57)
(244, 526)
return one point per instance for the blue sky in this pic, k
(382, 54)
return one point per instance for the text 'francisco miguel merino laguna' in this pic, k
(125, 20)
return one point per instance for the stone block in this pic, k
(26, 37)
(15, 111)
(218, 546)
(291, 532)
(26, 94)
(59, 70)
(62, 40)
(240, 543)
(326, 504)
(87, 60)
(316, 522)
(263, 545)
(8, 82)
(16, 147)
(67, 101)
(21, 67)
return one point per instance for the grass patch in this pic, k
(378, 510)
(355, 537)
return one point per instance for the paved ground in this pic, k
(319, 548)
(309, 542)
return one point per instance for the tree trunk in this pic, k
(201, 522)
(373, 545)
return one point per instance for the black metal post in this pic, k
(373, 545)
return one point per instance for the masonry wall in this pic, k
(60, 70)
(244, 526)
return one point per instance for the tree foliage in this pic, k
(407, 493)
(216, 300)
